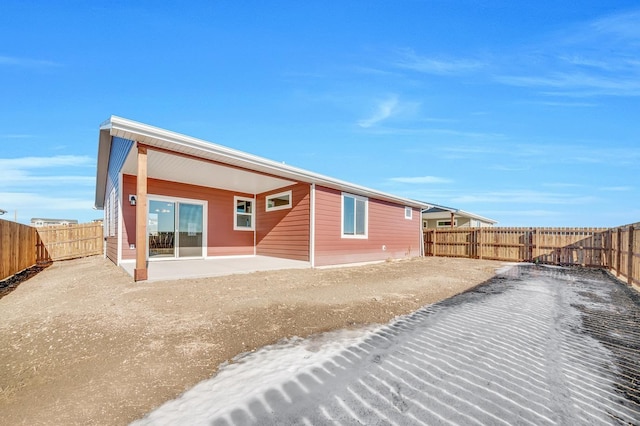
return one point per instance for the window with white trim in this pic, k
(443, 223)
(279, 201)
(244, 213)
(408, 212)
(354, 216)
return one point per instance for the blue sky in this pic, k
(524, 112)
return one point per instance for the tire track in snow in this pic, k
(535, 346)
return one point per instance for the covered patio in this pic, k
(176, 269)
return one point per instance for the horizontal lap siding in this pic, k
(112, 249)
(387, 227)
(222, 239)
(284, 233)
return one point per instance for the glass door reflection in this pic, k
(189, 230)
(161, 228)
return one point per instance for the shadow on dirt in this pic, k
(11, 283)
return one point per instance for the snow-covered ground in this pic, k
(513, 351)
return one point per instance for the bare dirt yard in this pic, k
(81, 343)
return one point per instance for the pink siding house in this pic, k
(170, 196)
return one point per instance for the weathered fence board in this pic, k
(625, 252)
(72, 241)
(617, 249)
(17, 248)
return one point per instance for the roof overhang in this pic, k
(440, 212)
(176, 157)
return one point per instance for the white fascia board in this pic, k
(249, 161)
(477, 217)
(104, 150)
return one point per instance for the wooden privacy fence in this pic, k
(23, 246)
(617, 249)
(17, 248)
(72, 241)
(624, 257)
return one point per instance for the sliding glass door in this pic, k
(189, 230)
(175, 229)
(161, 228)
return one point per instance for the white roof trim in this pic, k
(154, 136)
(475, 216)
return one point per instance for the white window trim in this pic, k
(366, 217)
(235, 214)
(455, 223)
(205, 222)
(410, 211)
(279, 194)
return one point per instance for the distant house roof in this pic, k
(258, 174)
(435, 210)
(47, 220)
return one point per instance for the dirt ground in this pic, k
(81, 343)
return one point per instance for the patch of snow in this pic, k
(251, 374)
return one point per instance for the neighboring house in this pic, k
(37, 221)
(446, 217)
(167, 195)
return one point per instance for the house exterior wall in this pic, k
(389, 234)
(222, 239)
(119, 150)
(461, 222)
(284, 233)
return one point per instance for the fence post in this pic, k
(433, 243)
(618, 251)
(480, 237)
(630, 257)
(608, 249)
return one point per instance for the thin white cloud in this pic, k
(567, 104)
(45, 162)
(616, 188)
(439, 66)
(437, 131)
(503, 168)
(46, 186)
(623, 25)
(26, 62)
(383, 111)
(562, 185)
(596, 58)
(581, 83)
(420, 179)
(15, 136)
(524, 196)
(39, 202)
(20, 179)
(525, 212)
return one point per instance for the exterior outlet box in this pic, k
(132, 246)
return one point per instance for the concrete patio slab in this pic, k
(175, 269)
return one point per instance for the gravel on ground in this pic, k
(81, 343)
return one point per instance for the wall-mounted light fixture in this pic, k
(132, 199)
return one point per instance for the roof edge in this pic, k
(146, 132)
(104, 151)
